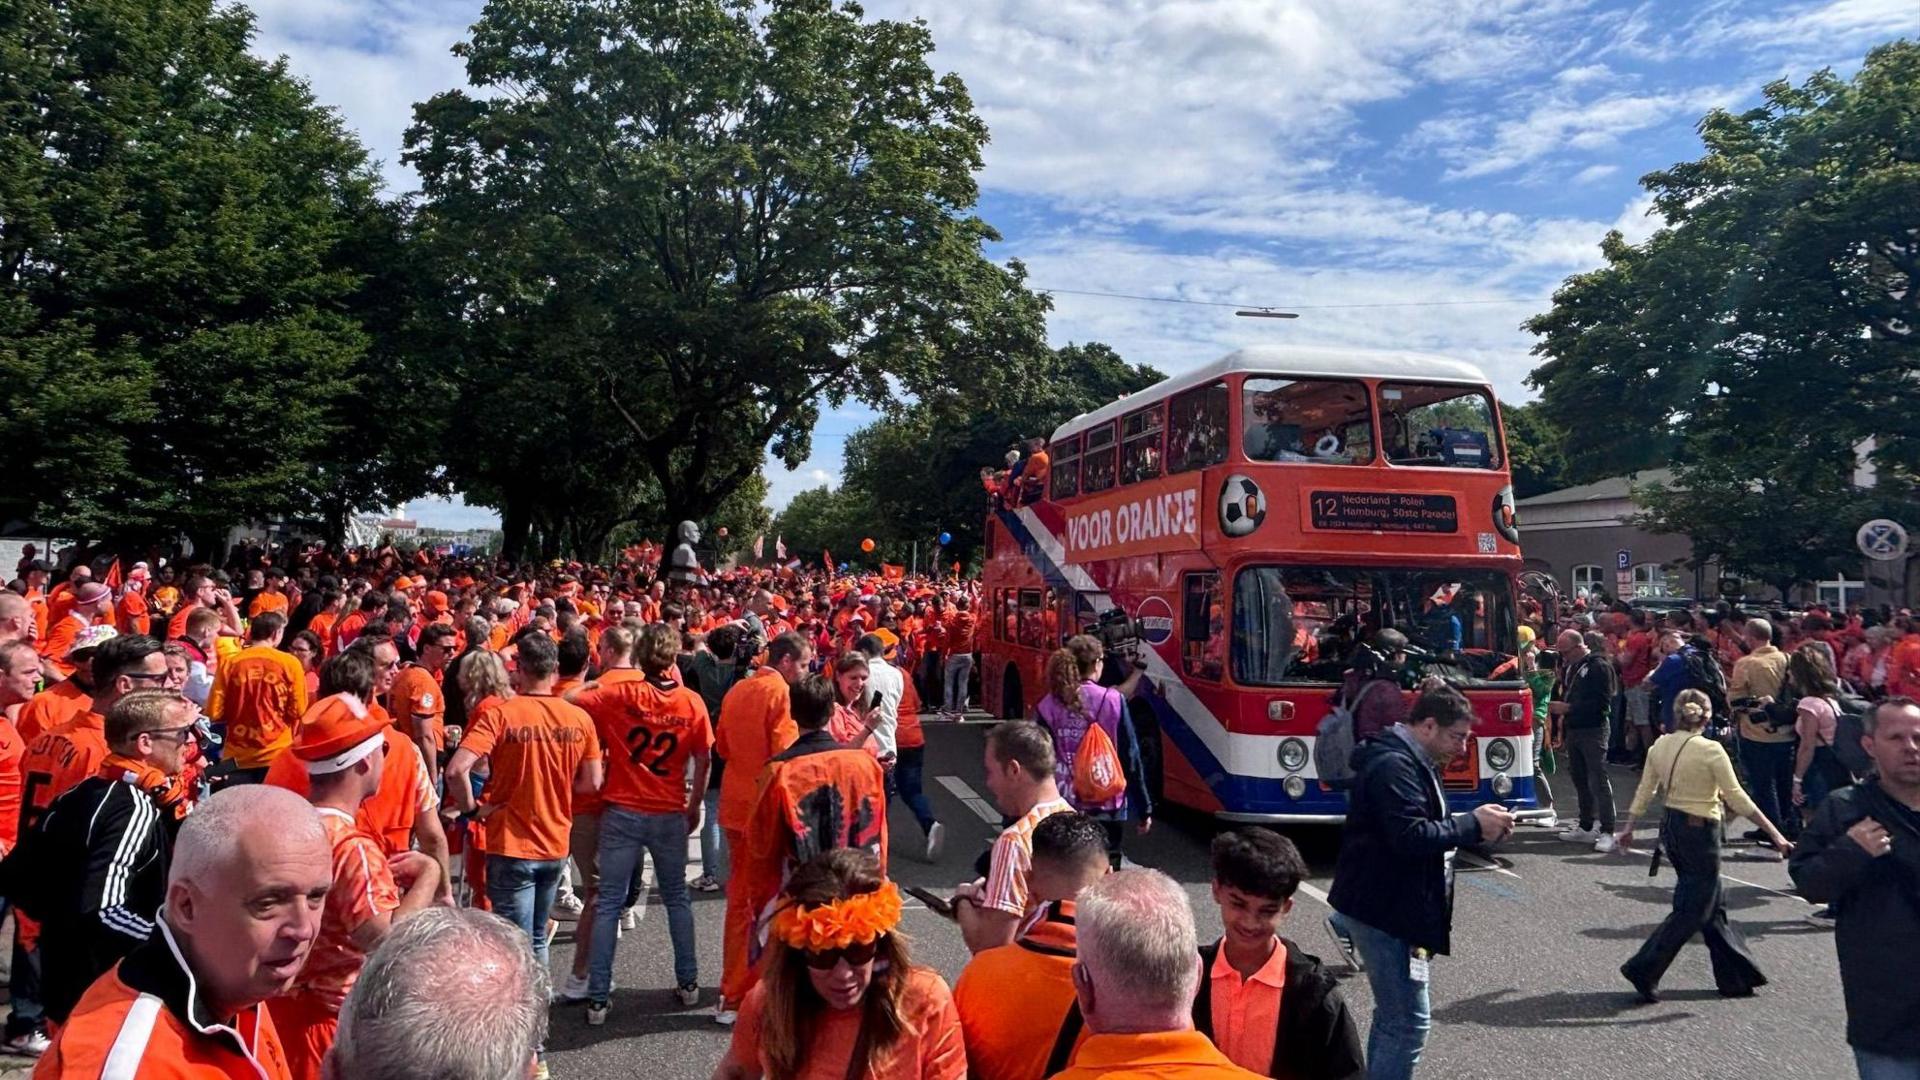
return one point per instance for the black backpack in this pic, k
(1850, 711)
(1704, 675)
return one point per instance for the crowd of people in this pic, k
(286, 817)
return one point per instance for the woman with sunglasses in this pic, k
(840, 996)
(306, 648)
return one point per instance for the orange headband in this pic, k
(856, 919)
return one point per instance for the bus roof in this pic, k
(1291, 360)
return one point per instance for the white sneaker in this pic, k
(1577, 835)
(724, 1016)
(573, 990)
(1606, 844)
(936, 840)
(596, 1013)
(705, 883)
(567, 908)
(31, 1043)
(689, 995)
(629, 919)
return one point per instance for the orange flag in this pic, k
(115, 576)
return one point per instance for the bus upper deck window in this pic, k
(1444, 426)
(1066, 468)
(1140, 445)
(1317, 421)
(1097, 465)
(1197, 428)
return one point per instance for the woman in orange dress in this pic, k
(838, 981)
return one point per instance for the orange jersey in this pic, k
(13, 756)
(755, 724)
(50, 708)
(1014, 1034)
(322, 625)
(58, 760)
(265, 602)
(406, 792)
(417, 704)
(260, 694)
(593, 803)
(177, 626)
(814, 796)
(537, 744)
(130, 613)
(908, 734)
(959, 631)
(60, 638)
(363, 888)
(650, 727)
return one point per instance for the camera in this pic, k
(1119, 635)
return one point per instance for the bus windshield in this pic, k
(1294, 624)
(1445, 426)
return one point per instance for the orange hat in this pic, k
(436, 600)
(888, 642)
(337, 733)
(401, 584)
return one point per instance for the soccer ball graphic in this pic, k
(1242, 507)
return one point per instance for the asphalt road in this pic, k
(1531, 990)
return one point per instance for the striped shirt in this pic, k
(1012, 859)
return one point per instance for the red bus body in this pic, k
(1244, 562)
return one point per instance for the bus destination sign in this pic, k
(1384, 511)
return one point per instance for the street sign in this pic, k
(1882, 540)
(1623, 559)
(1623, 583)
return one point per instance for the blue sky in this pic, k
(1309, 154)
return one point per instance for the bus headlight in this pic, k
(1293, 754)
(1296, 787)
(1502, 785)
(1500, 755)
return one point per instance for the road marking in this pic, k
(981, 807)
(1474, 860)
(1315, 891)
(1767, 888)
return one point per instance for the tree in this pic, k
(699, 221)
(1767, 328)
(175, 270)
(1534, 453)
(826, 520)
(919, 471)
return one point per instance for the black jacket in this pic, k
(1317, 1039)
(1392, 874)
(1876, 901)
(94, 872)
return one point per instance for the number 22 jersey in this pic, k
(649, 727)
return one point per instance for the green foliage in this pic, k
(1768, 327)
(1534, 453)
(918, 473)
(694, 223)
(177, 228)
(826, 519)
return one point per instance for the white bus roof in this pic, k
(1291, 360)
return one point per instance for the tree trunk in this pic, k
(516, 523)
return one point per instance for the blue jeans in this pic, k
(959, 670)
(1401, 1010)
(1769, 768)
(713, 843)
(522, 892)
(904, 782)
(1881, 1067)
(624, 836)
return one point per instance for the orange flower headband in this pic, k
(856, 919)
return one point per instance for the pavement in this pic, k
(1533, 987)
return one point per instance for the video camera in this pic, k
(1119, 635)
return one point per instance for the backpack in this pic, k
(1097, 777)
(1850, 714)
(1334, 740)
(1704, 675)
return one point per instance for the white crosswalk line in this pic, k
(981, 807)
(1314, 891)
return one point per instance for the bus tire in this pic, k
(1012, 706)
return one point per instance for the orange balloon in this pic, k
(867, 544)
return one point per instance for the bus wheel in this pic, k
(1011, 705)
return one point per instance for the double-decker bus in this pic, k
(1253, 521)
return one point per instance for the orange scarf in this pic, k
(168, 791)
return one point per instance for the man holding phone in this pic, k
(1392, 892)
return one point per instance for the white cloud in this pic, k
(1562, 123)
(1594, 172)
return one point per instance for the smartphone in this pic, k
(936, 904)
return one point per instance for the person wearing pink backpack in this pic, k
(1095, 749)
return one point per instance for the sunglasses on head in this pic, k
(855, 955)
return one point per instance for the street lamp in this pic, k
(1266, 313)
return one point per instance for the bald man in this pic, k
(250, 872)
(16, 617)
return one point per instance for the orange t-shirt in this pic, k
(130, 614)
(177, 626)
(60, 637)
(322, 625)
(907, 733)
(415, 700)
(755, 724)
(1160, 1055)
(260, 693)
(931, 1047)
(537, 743)
(650, 727)
(363, 888)
(406, 792)
(593, 804)
(1012, 1035)
(265, 602)
(13, 756)
(959, 627)
(50, 708)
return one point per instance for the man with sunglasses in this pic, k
(94, 867)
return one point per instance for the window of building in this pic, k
(1650, 579)
(1841, 594)
(1197, 428)
(1438, 425)
(1322, 421)
(1066, 467)
(1097, 460)
(1203, 628)
(1586, 578)
(1140, 444)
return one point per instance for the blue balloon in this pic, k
(946, 538)
(843, 566)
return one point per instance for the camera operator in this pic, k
(1373, 683)
(1124, 669)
